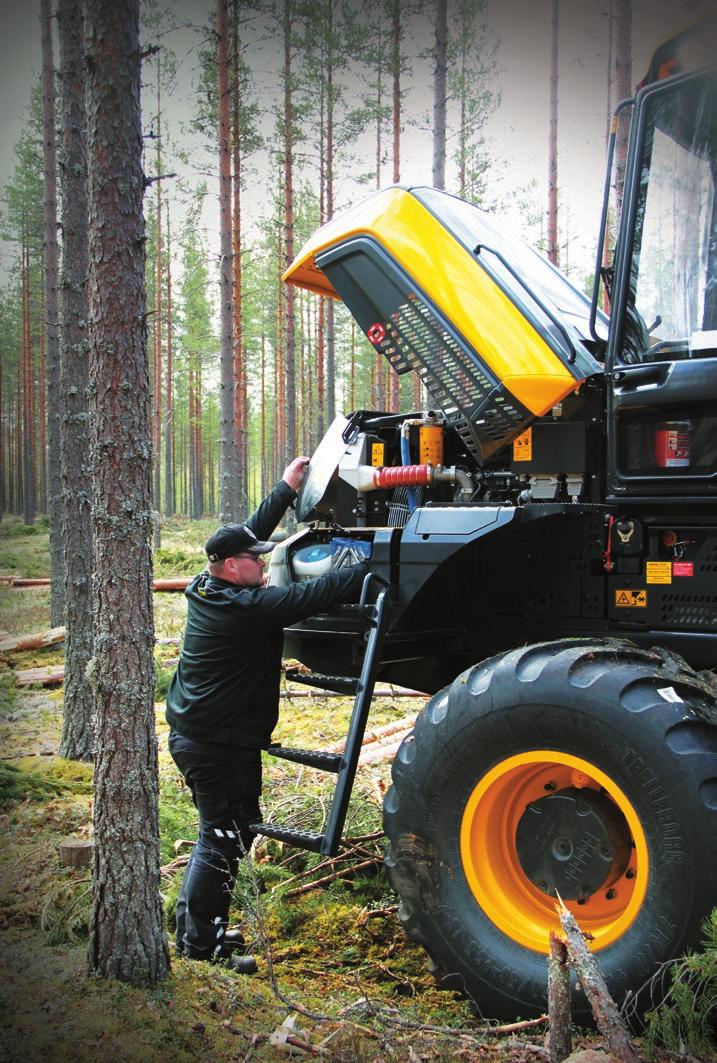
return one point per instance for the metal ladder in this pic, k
(343, 764)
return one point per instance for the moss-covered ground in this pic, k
(332, 957)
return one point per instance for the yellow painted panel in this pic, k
(456, 283)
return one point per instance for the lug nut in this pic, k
(611, 895)
(550, 786)
(630, 873)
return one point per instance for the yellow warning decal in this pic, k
(523, 446)
(631, 599)
(377, 455)
(659, 572)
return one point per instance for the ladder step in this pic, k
(302, 839)
(341, 684)
(313, 758)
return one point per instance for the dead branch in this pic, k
(343, 873)
(513, 1027)
(607, 1017)
(169, 869)
(379, 733)
(559, 1038)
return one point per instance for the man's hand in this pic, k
(295, 472)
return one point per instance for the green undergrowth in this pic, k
(684, 1019)
(18, 784)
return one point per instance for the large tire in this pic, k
(623, 736)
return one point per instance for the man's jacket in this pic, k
(226, 687)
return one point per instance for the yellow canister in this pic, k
(430, 444)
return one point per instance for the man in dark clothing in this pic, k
(222, 706)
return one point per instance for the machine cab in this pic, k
(662, 354)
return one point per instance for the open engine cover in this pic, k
(496, 334)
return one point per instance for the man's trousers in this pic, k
(225, 782)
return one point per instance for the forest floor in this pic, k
(336, 973)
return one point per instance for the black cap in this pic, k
(234, 539)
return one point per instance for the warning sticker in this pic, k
(670, 694)
(377, 455)
(683, 568)
(659, 572)
(523, 446)
(631, 599)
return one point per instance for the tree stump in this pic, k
(75, 852)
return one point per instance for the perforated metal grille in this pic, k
(689, 610)
(458, 383)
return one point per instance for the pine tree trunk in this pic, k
(3, 456)
(226, 356)
(623, 88)
(290, 291)
(49, 154)
(379, 101)
(553, 136)
(330, 319)
(42, 399)
(77, 729)
(170, 491)
(127, 939)
(396, 114)
(439, 94)
(607, 250)
(28, 427)
(158, 293)
(240, 383)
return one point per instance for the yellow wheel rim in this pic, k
(492, 867)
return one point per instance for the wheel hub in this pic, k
(574, 842)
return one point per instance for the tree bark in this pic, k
(127, 939)
(226, 356)
(396, 114)
(623, 88)
(290, 292)
(170, 491)
(77, 741)
(240, 382)
(607, 1017)
(607, 250)
(158, 295)
(330, 306)
(439, 94)
(553, 136)
(28, 414)
(560, 1043)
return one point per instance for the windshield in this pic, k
(671, 308)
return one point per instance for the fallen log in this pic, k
(44, 677)
(21, 581)
(607, 1018)
(172, 583)
(33, 642)
(168, 583)
(379, 733)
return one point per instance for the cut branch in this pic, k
(607, 1017)
(559, 1037)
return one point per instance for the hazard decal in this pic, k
(659, 572)
(377, 455)
(631, 599)
(523, 446)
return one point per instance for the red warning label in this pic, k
(683, 568)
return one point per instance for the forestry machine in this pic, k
(542, 544)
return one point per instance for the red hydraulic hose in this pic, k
(403, 476)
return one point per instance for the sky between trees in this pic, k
(517, 130)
